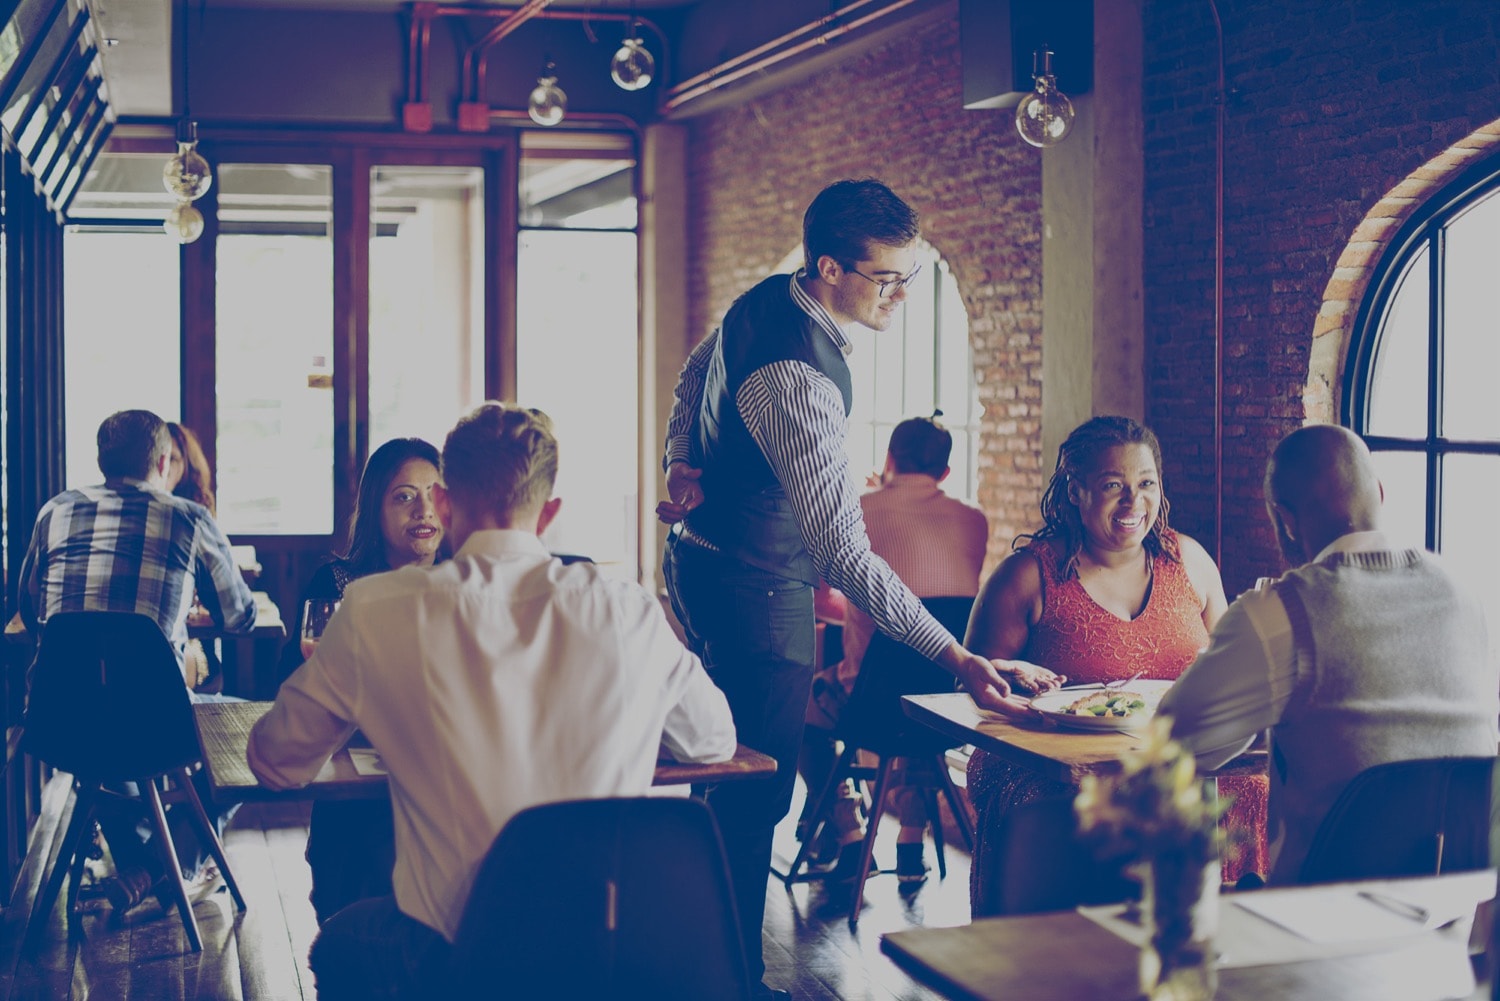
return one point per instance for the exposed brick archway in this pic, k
(1356, 265)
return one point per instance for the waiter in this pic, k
(761, 504)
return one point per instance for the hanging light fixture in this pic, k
(633, 66)
(547, 104)
(184, 223)
(186, 173)
(1045, 116)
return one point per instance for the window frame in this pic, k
(1424, 230)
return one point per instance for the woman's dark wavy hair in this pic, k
(366, 550)
(1076, 459)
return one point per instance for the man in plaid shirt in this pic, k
(129, 545)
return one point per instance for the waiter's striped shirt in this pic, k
(796, 416)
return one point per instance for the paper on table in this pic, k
(367, 761)
(1336, 915)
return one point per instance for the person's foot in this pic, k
(846, 870)
(911, 866)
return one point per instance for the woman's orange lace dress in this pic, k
(1078, 638)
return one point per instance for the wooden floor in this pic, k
(261, 955)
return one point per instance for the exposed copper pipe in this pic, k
(743, 57)
(680, 97)
(483, 46)
(573, 118)
(511, 23)
(1221, 99)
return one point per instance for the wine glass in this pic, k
(315, 615)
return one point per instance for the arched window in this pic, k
(1420, 381)
(923, 363)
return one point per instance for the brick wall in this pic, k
(895, 113)
(1332, 104)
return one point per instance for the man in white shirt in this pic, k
(490, 683)
(1361, 655)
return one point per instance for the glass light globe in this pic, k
(186, 174)
(184, 223)
(633, 65)
(1044, 118)
(547, 103)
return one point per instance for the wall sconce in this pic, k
(1045, 116)
(547, 104)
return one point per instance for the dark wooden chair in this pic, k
(874, 721)
(1406, 818)
(639, 905)
(108, 706)
(1038, 863)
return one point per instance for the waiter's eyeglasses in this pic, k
(890, 287)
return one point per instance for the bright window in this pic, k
(921, 364)
(426, 300)
(578, 346)
(1421, 377)
(274, 315)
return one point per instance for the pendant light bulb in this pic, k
(184, 223)
(547, 104)
(186, 174)
(633, 66)
(1045, 116)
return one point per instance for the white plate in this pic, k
(1051, 705)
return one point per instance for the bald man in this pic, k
(1361, 655)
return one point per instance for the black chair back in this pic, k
(1406, 818)
(107, 700)
(1041, 864)
(606, 898)
(873, 718)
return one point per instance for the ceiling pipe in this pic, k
(680, 95)
(508, 116)
(744, 57)
(499, 31)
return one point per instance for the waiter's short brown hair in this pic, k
(501, 458)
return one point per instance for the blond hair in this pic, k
(502, 459)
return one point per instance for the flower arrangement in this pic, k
(1154, 806)
(1153, 813)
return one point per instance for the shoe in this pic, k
(764, 993)
(200, 887)
(846, 870)
(127, 888)
(911, 866)
(208, 882)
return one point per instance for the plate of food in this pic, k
(1094, 707)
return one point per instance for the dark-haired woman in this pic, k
(351, 845)
(1102, 590)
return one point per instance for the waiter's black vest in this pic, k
(745, 511)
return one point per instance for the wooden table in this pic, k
(1066, 956)
(224, 730)
(1058, 754)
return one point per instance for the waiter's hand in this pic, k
(984, 682)
(684, 493)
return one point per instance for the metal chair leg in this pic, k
(168, 852)
(839, 773)
(882, 785)
(215, 846)
(935, 818)
(961, 815)
(79, 825)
